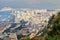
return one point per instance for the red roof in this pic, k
(1, 28)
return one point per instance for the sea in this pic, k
(6, 17)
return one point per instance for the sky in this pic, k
(40, 4)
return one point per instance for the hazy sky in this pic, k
(42, 4)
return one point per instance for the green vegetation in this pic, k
(54, 33)
(25, 38)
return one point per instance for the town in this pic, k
(18, 23)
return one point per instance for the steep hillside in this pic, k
(54, 30)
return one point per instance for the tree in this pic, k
(54, 34)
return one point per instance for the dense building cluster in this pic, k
(24, 22)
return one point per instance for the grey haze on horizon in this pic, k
(41, 4)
